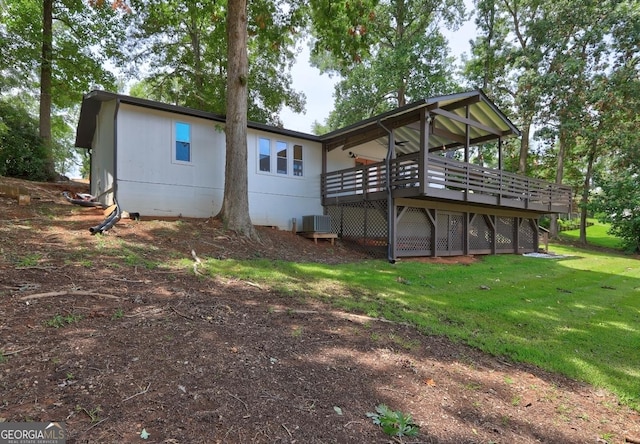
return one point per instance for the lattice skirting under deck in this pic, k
(431, 232)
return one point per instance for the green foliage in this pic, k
(618, 202)
(545, 60)
(61, 321)
(184, 44)
(22, 153)
(93, 414)
(388, 53)
(30, 260)
(84, 38)
(60, 65)
(394, 423)
(118, 314)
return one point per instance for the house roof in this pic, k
(92, 101)
(450, 116)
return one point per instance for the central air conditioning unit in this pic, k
(316, 224)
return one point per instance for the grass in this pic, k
(59, 321)
(578, 316)
(597, 235)
(29, 260)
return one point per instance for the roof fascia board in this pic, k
(384, 117)
(101, 96)
(461, 103)
(373, 131)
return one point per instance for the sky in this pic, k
(319, 88)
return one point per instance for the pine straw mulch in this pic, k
(211, 360)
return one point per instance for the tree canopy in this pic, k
(387, 53)
(58, 50)
(181, 47)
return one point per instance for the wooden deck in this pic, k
(439, 178)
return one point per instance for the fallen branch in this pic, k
(138, 394)
(285, 427)
(181, 314)
(68, 293)
(15, 352)
(632, 440)
(253, 284)
(246, 407)
(96, 424)
(40, 267)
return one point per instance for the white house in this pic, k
(166, 160)
(402, 182)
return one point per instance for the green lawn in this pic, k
(579, 315)
(597, 235)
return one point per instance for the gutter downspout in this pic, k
(390, 207)
(115, 150)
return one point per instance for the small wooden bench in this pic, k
(316, 236)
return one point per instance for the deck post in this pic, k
(466, 136)
(391, 154)
(423, 159)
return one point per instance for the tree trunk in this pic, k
(524, 148)
(235, 204)
(562, 147)
(585, 197)
(45, 87)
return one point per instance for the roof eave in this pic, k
(91, 103)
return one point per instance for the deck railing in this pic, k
(444, 176)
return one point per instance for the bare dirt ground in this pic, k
(91, 336)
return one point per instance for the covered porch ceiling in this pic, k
(454, 121)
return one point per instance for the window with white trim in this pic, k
(281, 151)
(182, 147)
(297, 160)
(279, 157)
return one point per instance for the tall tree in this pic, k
(509, 56)
(553, 56)
(59, 48)
(235, 204)
(617, 197)
(182, 46)
(388, 52)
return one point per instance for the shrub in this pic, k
(22, 153)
